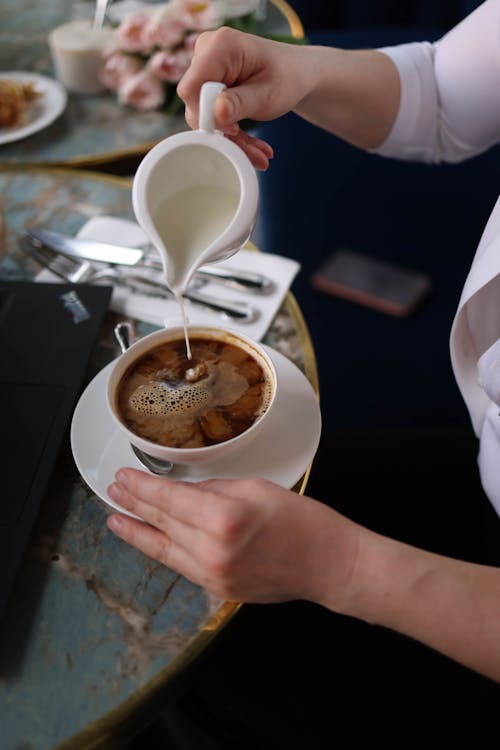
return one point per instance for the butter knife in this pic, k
(104, 252)
(82, 271)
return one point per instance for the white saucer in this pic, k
(40, 112)
(282, 452)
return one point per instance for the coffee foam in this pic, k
(161, 399)
(267, 397)
(221, 387)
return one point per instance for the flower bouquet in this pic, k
(153, 47)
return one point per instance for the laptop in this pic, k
(47, 335)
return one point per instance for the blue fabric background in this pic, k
(349, 13)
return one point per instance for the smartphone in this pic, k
(357, 277)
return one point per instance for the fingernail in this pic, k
(232, 129)
(115, 492)
(230, 109)
(115, 523)
(121, 477)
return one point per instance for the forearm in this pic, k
(437, 101)
(352, 93)
(251, 540)
(450, 605)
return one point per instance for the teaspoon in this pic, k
(99, 14)
(154, 465)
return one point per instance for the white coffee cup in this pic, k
(77, 50)
(204, 189)
(209, 453)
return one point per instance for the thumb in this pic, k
(246, 101)
(226, 109)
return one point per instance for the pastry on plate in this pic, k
(14, 100)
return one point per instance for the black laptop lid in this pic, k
(47, 334)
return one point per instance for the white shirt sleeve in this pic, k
(450, 92)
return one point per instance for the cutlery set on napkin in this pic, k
(245, 291)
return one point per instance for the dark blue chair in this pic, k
(317, 14)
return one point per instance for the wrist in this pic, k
(354, 94)
(386, 580)
(317, 75)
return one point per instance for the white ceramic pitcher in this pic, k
(195, 194)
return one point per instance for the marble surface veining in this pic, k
(92, 622)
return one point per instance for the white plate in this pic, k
(282, 452)
(40, 112)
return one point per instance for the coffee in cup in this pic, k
(192, 410)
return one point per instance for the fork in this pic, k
(77, 272)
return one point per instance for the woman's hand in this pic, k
(252, 541)
(265, 79)
(354, 94)
(243, 540)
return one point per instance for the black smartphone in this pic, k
(372, 282)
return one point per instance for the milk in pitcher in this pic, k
(195, 194)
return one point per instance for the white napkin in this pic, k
(165, 312)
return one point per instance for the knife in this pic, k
(82, 271)
(104, 252)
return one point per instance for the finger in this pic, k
(190, 118)
(242, 138)
(248, 100)
(265, 147)
(257, 151)
(183, 534)
(155, 544)
(204, 66)
(180, 500)
(192, 121)
(225, 114)
(232, 130)
(238, 66)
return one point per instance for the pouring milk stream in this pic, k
(195, 194)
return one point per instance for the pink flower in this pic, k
(198, 15)
(118, 68)
(165, 30)
(133, 34)
(170, 66)
(143, 91)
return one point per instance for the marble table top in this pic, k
(95, 630)
(92, 130)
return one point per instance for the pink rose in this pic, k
(165, 30)
(198, 15)
(143, 91)
(132, 33)
(118, 68)
(170, 66)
